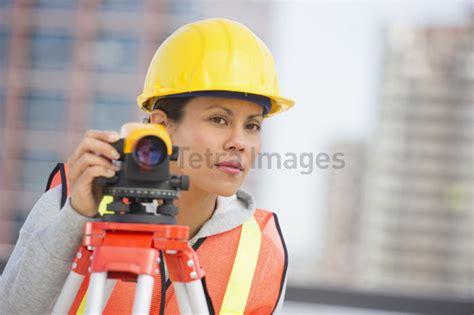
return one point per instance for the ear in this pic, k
(158, 116)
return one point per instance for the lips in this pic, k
(233, 164)
(230, 167)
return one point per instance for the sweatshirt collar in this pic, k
(230, 213)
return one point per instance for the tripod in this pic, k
(113, 250)
(127, 243)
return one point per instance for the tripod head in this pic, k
(144, 177)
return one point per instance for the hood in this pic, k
(230, 213)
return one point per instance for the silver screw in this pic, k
(79, 255)
(190, 263)
(74, 265)
(193, 275)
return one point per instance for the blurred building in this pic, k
(67, 66)
(416, 231)
(343, 211)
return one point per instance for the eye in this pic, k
(254, 127)
(219, 120)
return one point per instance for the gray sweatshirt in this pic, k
(50, 236)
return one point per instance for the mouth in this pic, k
(230, 167)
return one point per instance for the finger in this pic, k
(93, 145)
(87, 160)
(87, 177)
(105, 136)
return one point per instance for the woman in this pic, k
(211, 84)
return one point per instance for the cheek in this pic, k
(201, 141)
(254, 149)
(188, 136)
(197, 149)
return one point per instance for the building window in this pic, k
(34, 174)
(116, 53)
(38, 155)
(2, 122)
(45, 111)
(45, 154)
(110, 112)
(184, 7)
(3, 48)
(4, 3)
(2, 110)
(55, 3)
(121, 5)
(51, 50)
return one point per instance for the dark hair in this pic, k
(173, 107)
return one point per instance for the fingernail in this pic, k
(115, 154)
(110, 172)
(114, 137)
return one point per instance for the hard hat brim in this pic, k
(279, 104)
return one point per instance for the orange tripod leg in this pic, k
(130, 251)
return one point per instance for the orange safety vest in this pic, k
(245, 268)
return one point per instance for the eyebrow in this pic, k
(231, 113)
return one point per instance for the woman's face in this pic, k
(215, 130)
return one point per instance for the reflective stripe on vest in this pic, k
(240, 281)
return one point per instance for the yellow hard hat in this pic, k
(213, 55)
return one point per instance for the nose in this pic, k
(236, 140)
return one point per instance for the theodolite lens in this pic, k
(150, 151)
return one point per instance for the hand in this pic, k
(92, 158)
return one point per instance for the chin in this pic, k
(217, 185)
(224, 190)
